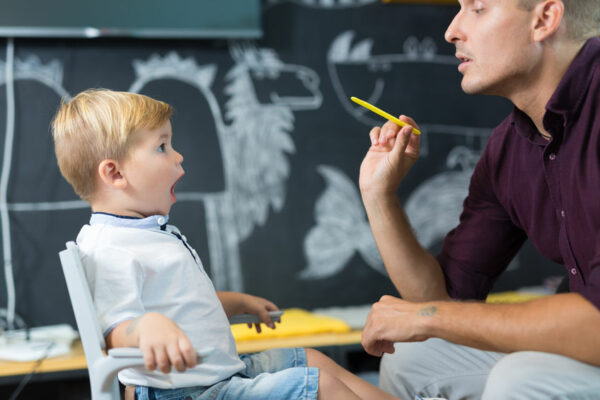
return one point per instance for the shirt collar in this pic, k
(572, 89)
(569, 94)
(151, 222)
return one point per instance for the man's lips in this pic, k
(464, 61)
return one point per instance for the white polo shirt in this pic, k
(133, 267)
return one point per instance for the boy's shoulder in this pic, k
(100, 238)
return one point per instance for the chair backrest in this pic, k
(83, 306)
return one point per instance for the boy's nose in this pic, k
(178, 157)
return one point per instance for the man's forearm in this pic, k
(416, 273)
(565, 324)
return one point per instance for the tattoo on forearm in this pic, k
(428, 311)
(131, 327)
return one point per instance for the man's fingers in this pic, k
(374, 135)
(402, 140)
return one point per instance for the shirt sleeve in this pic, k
(480, 248)
(591, 290)
(115, 279)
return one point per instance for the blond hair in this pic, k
(582, 17)
(98, 124)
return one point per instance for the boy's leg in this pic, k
(536, 376)
(436, 368)
(283, 374)
(362, 388)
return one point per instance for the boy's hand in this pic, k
(241, 303)
(162, 342)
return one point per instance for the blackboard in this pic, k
(272, 148)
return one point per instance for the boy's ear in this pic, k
(548, 15)
(110, 174)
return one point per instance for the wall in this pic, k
(272, 148)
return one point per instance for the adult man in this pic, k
(538, 178)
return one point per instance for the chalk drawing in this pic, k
(344, 53)
(341, 231)
(254, 146)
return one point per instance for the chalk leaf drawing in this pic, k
(254, 146)
(341, 229)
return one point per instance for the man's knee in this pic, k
(399, 372)
(535, 375)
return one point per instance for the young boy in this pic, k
(148, 284)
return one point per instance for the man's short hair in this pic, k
(582, 17)
(97, 124)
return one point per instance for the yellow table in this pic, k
(75, 360)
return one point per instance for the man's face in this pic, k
(494, 42)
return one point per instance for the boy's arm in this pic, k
(241, 303)
(162, 342)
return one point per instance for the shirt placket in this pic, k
(552, 164)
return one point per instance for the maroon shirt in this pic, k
(526, 187)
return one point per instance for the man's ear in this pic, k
(548, 15)
(110, 174)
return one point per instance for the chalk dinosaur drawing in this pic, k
(341, 230)
(50, 75)
(254, 146)
(377, 71)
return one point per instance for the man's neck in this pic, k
(533, 98)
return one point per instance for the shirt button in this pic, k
(160, 220)
(573, 271)
(552, 156)
(562, 213)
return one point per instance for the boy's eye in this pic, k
(162, 148)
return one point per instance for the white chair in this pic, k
(102, 368)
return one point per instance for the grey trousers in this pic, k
(436, 368)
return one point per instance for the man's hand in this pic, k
(241, 303)
(162, 342)
(393, 152)
(394, 320)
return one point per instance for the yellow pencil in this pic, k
(385, 115)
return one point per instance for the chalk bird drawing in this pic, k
(341, 231)
(50, 75)
(254, 146)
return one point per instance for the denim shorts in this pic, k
(277, 374)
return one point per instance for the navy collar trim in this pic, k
(151, 222)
